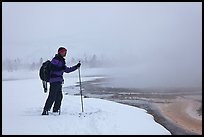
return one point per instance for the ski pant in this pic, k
(55, 96)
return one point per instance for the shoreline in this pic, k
(183, 113)
(176, 111)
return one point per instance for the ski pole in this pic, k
(80, 90)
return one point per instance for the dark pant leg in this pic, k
(54, 89)
(58, 99)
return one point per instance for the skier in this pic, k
(58, 67)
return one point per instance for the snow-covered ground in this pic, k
(23, 100)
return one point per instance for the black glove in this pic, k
(78, 65)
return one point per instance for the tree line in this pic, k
(17, 64)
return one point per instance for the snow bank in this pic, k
(23, 101)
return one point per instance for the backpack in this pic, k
(44, 73)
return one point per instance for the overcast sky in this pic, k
(155, 34)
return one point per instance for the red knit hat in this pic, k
(61, 49)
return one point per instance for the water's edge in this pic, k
(135, 97)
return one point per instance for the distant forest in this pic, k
(17, 64)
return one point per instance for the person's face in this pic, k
(64, 53)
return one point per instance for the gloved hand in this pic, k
(78, 65)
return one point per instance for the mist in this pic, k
(147, 44)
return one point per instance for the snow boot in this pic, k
(54, 110)
(45, 112)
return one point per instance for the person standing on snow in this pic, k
(58, 67)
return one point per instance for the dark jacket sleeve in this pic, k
(70, 69)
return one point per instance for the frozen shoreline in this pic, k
(157, 104)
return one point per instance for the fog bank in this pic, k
(148, 44)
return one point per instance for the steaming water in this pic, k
(152, 78)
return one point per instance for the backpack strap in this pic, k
(44, 86)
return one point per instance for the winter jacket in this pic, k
(58, 67)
